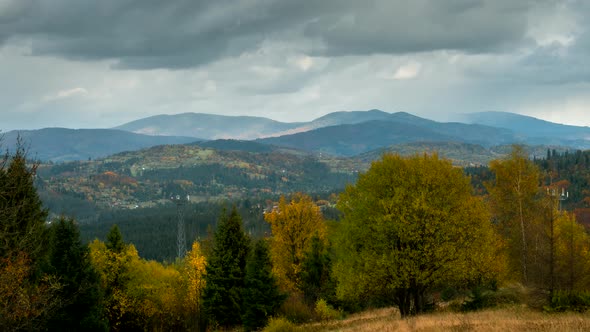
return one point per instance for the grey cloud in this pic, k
(385, 26)
(139, 34)
(143, 34)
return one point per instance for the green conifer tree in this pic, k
(22, 217)
(81, 292)
(224, 284)
(315, 275)
(261, 293)
(115, 240)
(28, 297)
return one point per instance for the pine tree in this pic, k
(224, 281)
(81, 293)
(261, 293)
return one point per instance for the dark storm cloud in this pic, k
(145, 34)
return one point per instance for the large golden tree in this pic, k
(411, 225)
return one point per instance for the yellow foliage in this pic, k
(194, 271)
(293, 224)
(410, 225)
(140, 294)
(515, 207)
(572, 254)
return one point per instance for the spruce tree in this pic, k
(22, 217)
(224, 284)
(27, 297)
(81, 292)
(115, 241)
(261, 293)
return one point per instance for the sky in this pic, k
(99, 64)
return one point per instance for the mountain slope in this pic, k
(353, 117)
(462, 154)
(473, 133)
(528, 127)
(207, 126)
(60, 144)
(349, 140)
(247, 146)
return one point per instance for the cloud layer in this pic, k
(100, 63)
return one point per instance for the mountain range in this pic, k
(339, 133)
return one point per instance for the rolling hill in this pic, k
(149, 176)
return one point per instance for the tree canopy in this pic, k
(409, 225)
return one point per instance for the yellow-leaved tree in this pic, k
(572, 255)
(293, 224)
(515, 207)
(139, 294)
(194, 282)
(112, 260)
(411, 225)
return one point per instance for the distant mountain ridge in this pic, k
(338, 133)
(527, 126)
(207, 126)
(211, 126)
(397, 128)
(61, 144)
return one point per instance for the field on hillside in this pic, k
(505, 319)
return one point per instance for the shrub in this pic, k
(296, 309)
(570, 301)
(280, 324)
(448, 294)
(325, 311)
(484, 297)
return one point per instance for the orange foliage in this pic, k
(20, 301)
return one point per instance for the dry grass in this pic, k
(506, 319)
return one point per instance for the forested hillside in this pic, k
(149, 177)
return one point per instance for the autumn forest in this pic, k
(415, 233)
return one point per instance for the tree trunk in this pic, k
(403, 302)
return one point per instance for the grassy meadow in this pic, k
(515, 318)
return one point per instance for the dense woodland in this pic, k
(411, 232)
